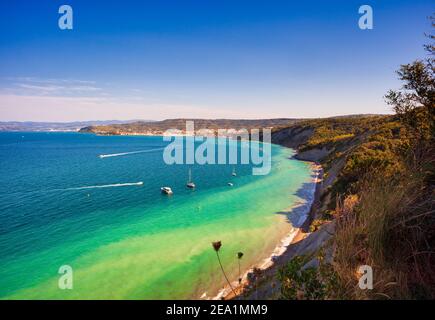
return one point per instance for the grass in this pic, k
(390, 228)
(382, 201)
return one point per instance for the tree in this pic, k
(415, 102)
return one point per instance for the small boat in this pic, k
(166, 190)
(234, 172)
(230, 184)
(190, 183)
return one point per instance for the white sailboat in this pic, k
(190, 183)
(234, 172)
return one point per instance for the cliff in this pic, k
(374, 207)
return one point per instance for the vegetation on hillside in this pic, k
(159, 127)
(379, 192)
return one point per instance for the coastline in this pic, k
(296, 233)
(137, 249)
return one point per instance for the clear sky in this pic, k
(206, 58)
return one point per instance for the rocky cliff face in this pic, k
(292, 137)
(296, 136)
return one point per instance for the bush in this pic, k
(307, 283)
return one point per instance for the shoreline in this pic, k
(296, 231)
(295, 234)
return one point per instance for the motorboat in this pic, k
(166, 190)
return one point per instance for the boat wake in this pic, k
(127, 153)
(115, 185)
(108, 186)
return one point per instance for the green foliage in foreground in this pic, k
(311, 283)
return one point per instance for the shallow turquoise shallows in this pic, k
(61, 204)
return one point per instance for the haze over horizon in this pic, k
(176, 118)
(168, 60)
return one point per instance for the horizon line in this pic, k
(186, 118)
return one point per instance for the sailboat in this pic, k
(234, 172)
(190, 183)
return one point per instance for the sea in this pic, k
(106, 220)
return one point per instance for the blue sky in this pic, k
(213, 59)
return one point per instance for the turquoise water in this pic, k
(126, 240)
